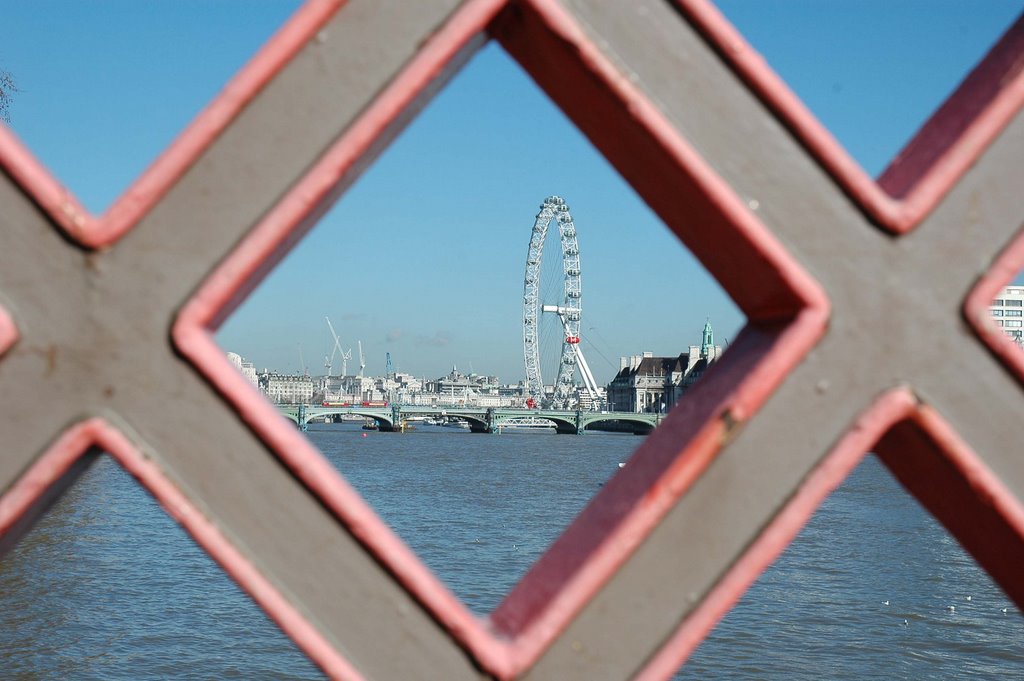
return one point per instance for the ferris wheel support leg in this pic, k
(588, 377)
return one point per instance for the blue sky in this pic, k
(424, 256)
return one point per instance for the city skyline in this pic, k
(423, 257)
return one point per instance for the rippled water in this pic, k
(478, 509)
(107, 587)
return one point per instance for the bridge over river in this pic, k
(481, 420)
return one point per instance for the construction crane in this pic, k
(345, 356)
(362, 360)
(302, 361)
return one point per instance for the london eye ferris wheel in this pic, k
(567, 307)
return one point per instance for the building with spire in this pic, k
(646, 383)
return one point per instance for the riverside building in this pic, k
(287, 388)
(646, 383)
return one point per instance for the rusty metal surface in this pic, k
(857, 336)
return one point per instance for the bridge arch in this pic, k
(478, 423)
(382, 418)
(638, 424)
(562, 424)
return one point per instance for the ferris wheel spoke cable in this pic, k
(596, 349)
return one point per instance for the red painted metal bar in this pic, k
(763, 279)
(266, 245)
(8, 331)
(762, 357)
(931, 460)
(633, 502)
(961, 129)
(97, 232)
(1004, 270)
(930, 164)
(863, 433)
(57, 468)
(717, 226)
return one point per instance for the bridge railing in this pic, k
(492, 417)
(734, 165)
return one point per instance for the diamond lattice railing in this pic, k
(706, 503)
(99, 580)
(493, 171)
(70, 64)
(928, 166)
(866, 586)
(584, 557)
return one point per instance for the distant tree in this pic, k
(7, 89)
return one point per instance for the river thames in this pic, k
(106, 586)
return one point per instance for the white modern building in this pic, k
(248, 369)
(1008, 312)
